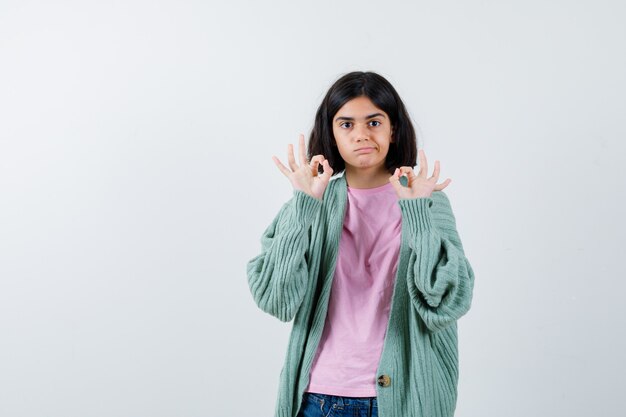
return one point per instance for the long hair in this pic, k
(402, 151)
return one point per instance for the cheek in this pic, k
(339, 141)
(385, 150)
(342, 151)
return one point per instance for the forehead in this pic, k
(359, 108)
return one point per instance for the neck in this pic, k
(366, 178)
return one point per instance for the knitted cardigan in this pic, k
(292, 277)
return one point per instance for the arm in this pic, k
(278, 276)
(440, 279)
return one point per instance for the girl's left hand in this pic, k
(418, 186)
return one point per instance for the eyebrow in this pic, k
(367, 117)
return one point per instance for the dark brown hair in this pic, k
(402, 151)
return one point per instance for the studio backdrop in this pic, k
(136, 180)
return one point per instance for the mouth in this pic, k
(366, 149)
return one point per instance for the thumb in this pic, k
(395, 181)
(328, 171)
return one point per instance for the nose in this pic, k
(361, 133)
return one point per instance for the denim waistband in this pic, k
(343, 401)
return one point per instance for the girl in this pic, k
(369, 265)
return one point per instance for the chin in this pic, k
(371, 165)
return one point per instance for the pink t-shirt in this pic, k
(347, 357)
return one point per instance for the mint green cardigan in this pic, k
(292, 277)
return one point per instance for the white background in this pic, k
(136, 179)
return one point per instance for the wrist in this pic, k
(308, 193)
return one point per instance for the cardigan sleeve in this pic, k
(278, 276)
(440, 279)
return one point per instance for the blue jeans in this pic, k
(323, 405)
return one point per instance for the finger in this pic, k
(423, 164)
(280, 166)
(291, 158)
(315, 168)
(315, 162)
(443, 185)
(408, 173)
(302, 150)
(318, 157)
(435, 175)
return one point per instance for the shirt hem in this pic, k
(341, 391)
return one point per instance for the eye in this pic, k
(343, 124)
(375, 121)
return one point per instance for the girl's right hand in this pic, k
(306, 177)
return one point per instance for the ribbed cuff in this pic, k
(306, 207)
(283, 412)
(416, 212)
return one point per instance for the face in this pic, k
(363, 133)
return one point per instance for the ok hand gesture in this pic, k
(306, 177)
(418, 185)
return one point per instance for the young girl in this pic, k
(369, 265)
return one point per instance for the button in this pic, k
(384, 380)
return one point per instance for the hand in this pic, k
(306, 177)
(418, 185)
